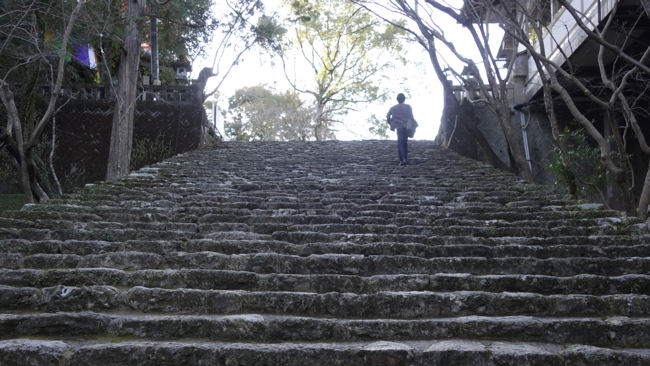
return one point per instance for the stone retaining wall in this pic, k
(84, 129)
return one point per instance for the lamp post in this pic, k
(155, 73)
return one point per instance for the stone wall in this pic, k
(83, 132)
(474, 131)
(540, 141)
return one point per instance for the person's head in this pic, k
(400, 98)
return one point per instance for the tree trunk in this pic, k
(629, 200)
(644, 200)
(624, 178)
(319, 126)
(119, 155)
(24, 172)
(14, 128)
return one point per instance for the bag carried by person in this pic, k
(411, 125)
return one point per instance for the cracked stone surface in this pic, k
(323, 253)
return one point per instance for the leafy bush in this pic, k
(581, 169)
(147, 151)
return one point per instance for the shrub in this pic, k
(148, 151)
(581, 169)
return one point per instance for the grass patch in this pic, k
(11, 202)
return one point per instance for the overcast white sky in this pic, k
(424, 91)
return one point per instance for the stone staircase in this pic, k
(322, 254)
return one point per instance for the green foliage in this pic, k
(350, 52)
(167, 76)
(532, 34)
(268, 33)
(148, 151)
(378, 127)
(26, 28)
(242, 25)
(259, 114)
(184, 27)
(581, 169)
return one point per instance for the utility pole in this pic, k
(155, 73)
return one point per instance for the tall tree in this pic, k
(348, 54)
(243, 25)
(259, 114)
(184, 27)
(119, 155)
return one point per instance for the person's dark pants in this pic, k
(402, 144)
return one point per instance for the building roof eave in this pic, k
(479, 11)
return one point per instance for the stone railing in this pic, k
(152, 93)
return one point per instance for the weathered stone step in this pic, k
(97, 224)
(119, 197)
(333, 263)
(211, 213)
(512, 214)
(434, 352)
(258, 218)
(619, 332)
(435, 229)
(622, 240)
(352, 189)
(85, 247)
(136, 201)
(499, 215)
(105, 232)
(140, 217)
(33, 215)
(446, 258)
(385, 304)
(536, 222)
(317, 199)
(250, 281)
(145, 214)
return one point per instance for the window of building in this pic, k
(544, 11)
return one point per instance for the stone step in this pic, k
(617, 332)
(334, 254)
(385, 304)
(182, 231)
(33, 215)
(97, 224)
(361, 195)
(491, 250)
(435, 229)
(622, 240)
(231, 211)
(103, 233)
(250, 281)
(432, 352)
(333, 263)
